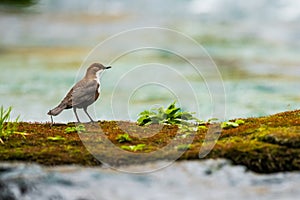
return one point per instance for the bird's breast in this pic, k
(98, 84)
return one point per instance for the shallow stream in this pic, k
(207, 180)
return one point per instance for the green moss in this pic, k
(183, 147)
(285, 136)
(75, 129)
(266, 144)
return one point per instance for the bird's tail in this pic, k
(55, 111)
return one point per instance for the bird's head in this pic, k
(95, 69)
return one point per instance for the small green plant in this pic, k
(123, 138)
(236, 123)
(56, 138)
(240, 121)
(185, 128)
(79, 128)
(202, 127)
(7, 127)
(138, 147)
(170, 115)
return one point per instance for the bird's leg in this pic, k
(75, 112)
(51, 121)
(85, 110)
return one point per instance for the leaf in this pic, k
(79, 128)
(56, 138)
(123, 138)
(202, 127)
(240, 121)
(143, 120)
(7, 127)
(227, 125)
(236, 123)
(134, 148)
(172, 111)
(23, 134)
(125, 147)
(171, 106)
(70, 129)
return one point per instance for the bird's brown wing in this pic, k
(84, 93)
(67, 101)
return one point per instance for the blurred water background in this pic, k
(188, 180)
(255, 45)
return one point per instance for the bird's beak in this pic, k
(108, 67)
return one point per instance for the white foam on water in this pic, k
(209, 179)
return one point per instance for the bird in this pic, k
(84, 93)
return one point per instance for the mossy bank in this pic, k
(265, 144)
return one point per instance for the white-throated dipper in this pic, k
(83, 93)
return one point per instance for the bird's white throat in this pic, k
(98, 76)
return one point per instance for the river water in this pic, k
(221, 59)
(210, 179)
(246, 63)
